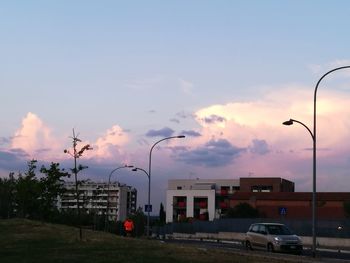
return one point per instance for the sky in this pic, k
(226, 74)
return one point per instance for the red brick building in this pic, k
(265, 184)
(275, 198)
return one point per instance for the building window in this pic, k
(225, 190)
(179, 188)
(261, 188)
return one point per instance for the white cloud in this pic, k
(287, 155)
(109, 145)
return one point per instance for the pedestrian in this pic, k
(129, 227)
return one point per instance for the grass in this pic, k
(32, 241)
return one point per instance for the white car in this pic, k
(272, 237)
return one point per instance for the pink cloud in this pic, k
(35, 138)
(111, 145)
(289, 147)
(268, 147)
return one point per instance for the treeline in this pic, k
(34, 196)
(25, 195)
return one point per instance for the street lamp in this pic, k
(149, 178)
(313, 135)
(291, 121)
(288, 123)
(109, 182)
(149, 193)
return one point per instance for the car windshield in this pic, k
(278, 230)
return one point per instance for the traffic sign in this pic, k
(148, 208)
(282, 211)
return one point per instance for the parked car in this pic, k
(272, 237)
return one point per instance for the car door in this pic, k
(261, 237)
(253, 236)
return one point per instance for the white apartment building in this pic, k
(96, 197)
(200, 199)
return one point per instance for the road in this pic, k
(325, 255)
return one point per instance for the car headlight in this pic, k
(277, 240)
(299, 240)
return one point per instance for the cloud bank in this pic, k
(230, 141)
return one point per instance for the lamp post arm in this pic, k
(110, 175)
(312, 136)
(150, 152)
(138, 168)
(315, 95)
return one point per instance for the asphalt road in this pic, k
(325, 255)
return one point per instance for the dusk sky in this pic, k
(125, 74)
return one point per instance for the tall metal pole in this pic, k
(314, 199)
(149, 178)
(313, 135)
(109, 182)
(290, 122)
(149, 185)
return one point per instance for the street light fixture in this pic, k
(109, 182)
(149, 177)
(149, 187)
(291, 122)
(313, 135)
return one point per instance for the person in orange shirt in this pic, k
(128, 227)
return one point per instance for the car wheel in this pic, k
(248, 246)
(270, 247)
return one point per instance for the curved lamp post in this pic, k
(149, 194)
(313, 135)
(109, 182)
(149, 177)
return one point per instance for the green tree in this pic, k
(162, 215)
(139, 219)
(243, 210)
(51, 186)
(7, 196)
(27, 189)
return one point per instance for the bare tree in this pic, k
(76, 154)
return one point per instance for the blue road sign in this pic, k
(282, 211)
(148, 208)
